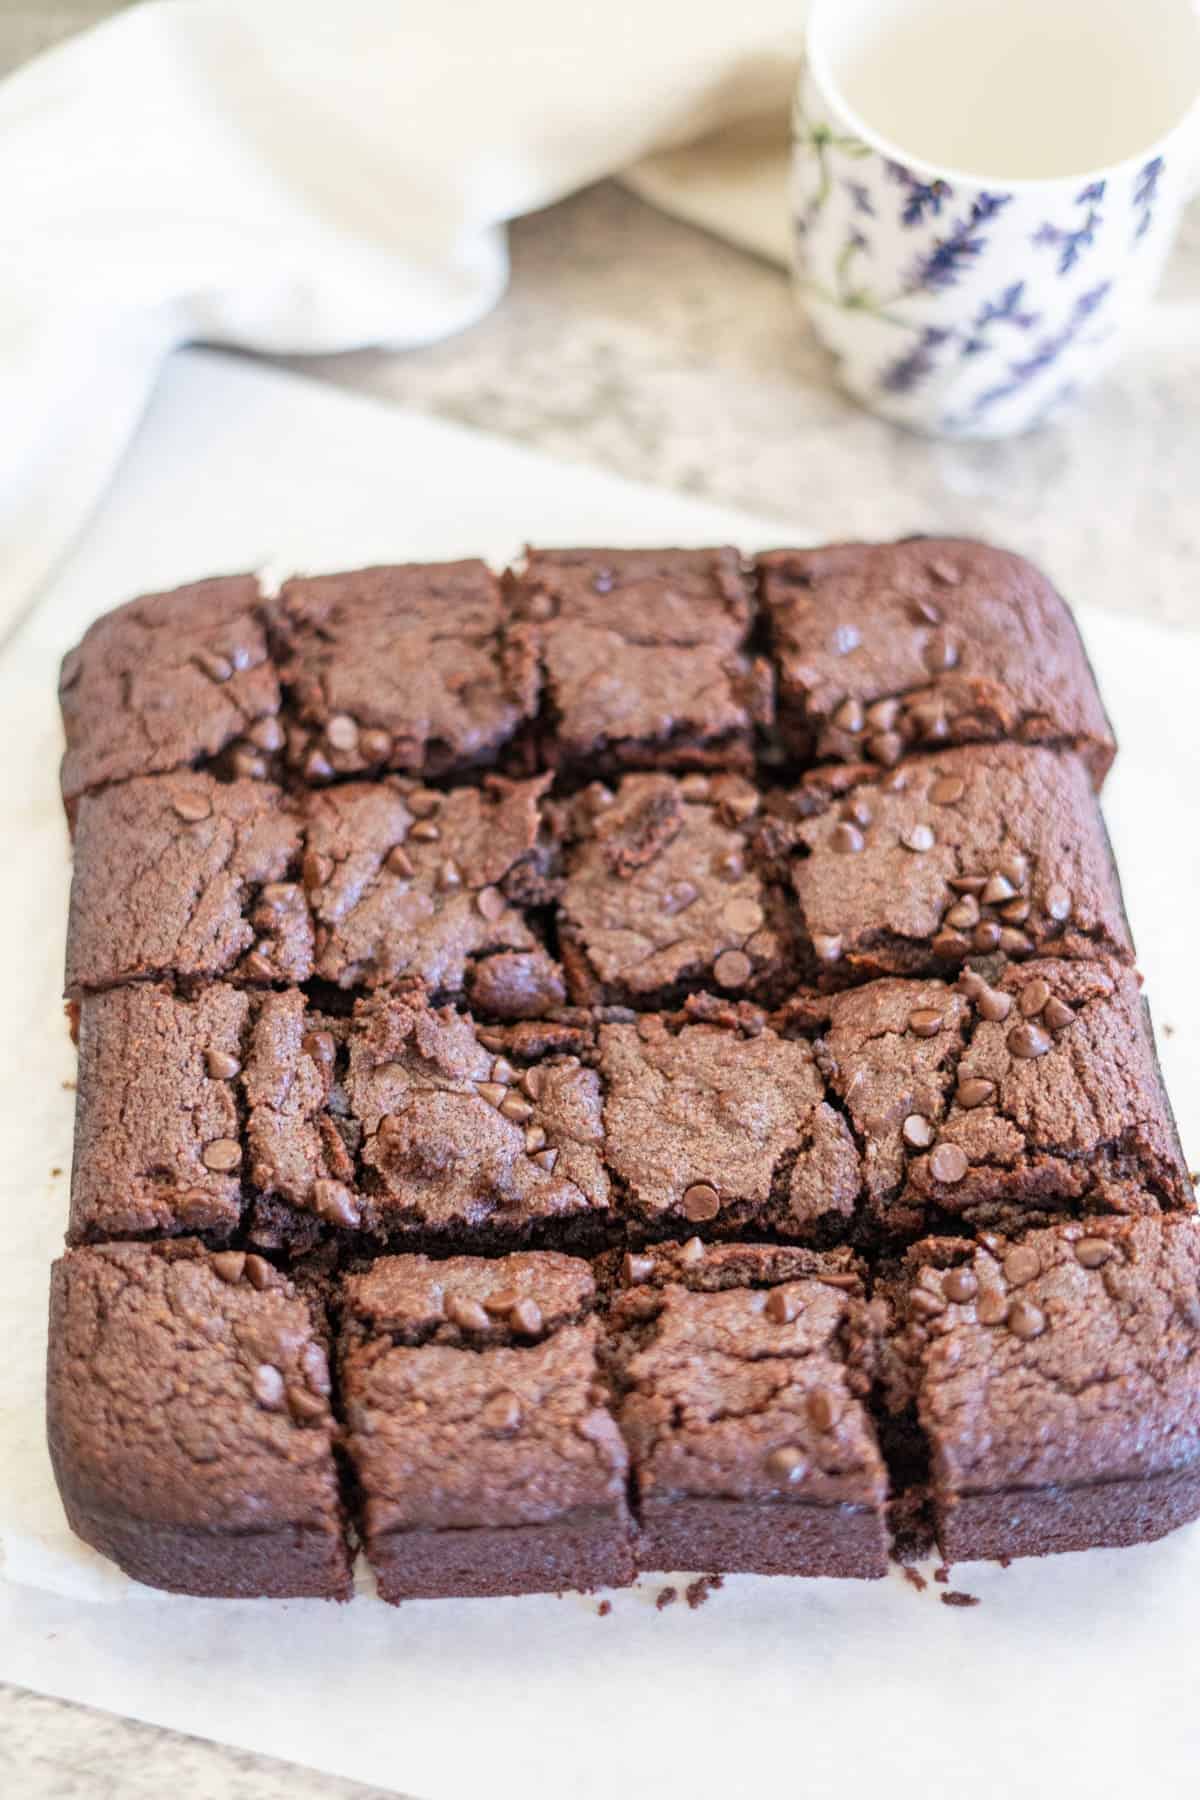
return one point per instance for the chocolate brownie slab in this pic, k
(460, 1144)
(186, 877)
(883, 647)
(189, 1421)
(644, 658)
(168, 681)
(913, 870)
(1056, 1377)
(485, 1455)
(662, 895)
(707, 1125)
(1005, 1102)
(157, 1132)
(405, 881)
(743, 1373)
(412, 667)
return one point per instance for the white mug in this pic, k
(985, 192)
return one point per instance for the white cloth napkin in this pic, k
(285, 175)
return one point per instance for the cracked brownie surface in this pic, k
(411, 667)
(915, 869)
(882, 648)
(190, 1423)
(644, 657)
(186, 877)
(167, 681)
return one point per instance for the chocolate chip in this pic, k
(535, 1139)
(257, 966)
(701, 1201)
(695, 787)
(267, 734)
(334, 1202)
(636, 1269)
(826, 948)
(1092, 1252)
(215, 666)
(1025, 1320)
(960, 1285)
(974, 1090)
(787, 1463)
(1057, 1014)
(693, 1251)
(374, 745)
(858, 812)
(526, 1318)
(918, 1131)
(993, 1005)
(846, 839)
(992, 1309)
(1027, 1041)
(399, 862)
(449, 876)
(221, 1066)
(341, 732)
(259, 1272)
(733, 969)
(467, 1314)
(964, 913)
(894, 782)
(967, 884)
(679, 898)
(948, 1164)
(986, 936)
(268, 1387)
(534, 1082)
(425, 831)
(191, 808)
(919, 838)
(882, 714)
(928, 720)
(844, 639)
(947, 790)
(731, 865)
(317, 767)
(229, 1265)
(502, 1071)
(545, 1159)
(944, 571)
(1016, 912)
(926, 1305)
(516, 1109)
(972, 984)
(501, 1301)
(248, 765)
(997, 888)
(849, 716)
(1033, 997)
(321, 1047)
(822, 1409)
(926, 613)
(885, 747)
(221, 1155)
(304, 1407)
(491, 903)
(491, 1091)
(1058, 903)
(422, 803)
(502, 1413)
(315, 1364)
(1021, 1265)
(940, 653)
(742, 916)
(1014, 943)
(949, 944)
(925, 1021)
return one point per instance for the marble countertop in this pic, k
(635, 343)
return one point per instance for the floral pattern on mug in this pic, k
(962, 307)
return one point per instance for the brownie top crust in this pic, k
(881, 647)
(190, 1389)
(166, 681)
(468, 1300)
(411, 667)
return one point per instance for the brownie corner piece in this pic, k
(645, 657)
(879, 648)
(167, 681)
(185, 877)
(485, 1455)
(189, 1421)
(663, 896)
(744, 1374)
(726, 1128)
(412, 667)
(1055, 1376)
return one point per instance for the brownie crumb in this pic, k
(666, 1597)
(604, 1608)
(915, 1579)
(955, 1598)
(699, 1590)
(942, 1572)
(1005, 1562)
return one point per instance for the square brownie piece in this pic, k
(461, 1144)
(1005, 1103)
(879, 648)
(157, 1132)
(644, 658)
(662, 896)
(1054, 1376)
(407, 882)
(189, 1421)
(166, 682)
(183, 877)
(485, 1455)
(912, 870)
(412, 667)
(708, 1125)
(744, 1373)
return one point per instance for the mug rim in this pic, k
(816, 64)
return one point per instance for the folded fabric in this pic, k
(286, 177)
